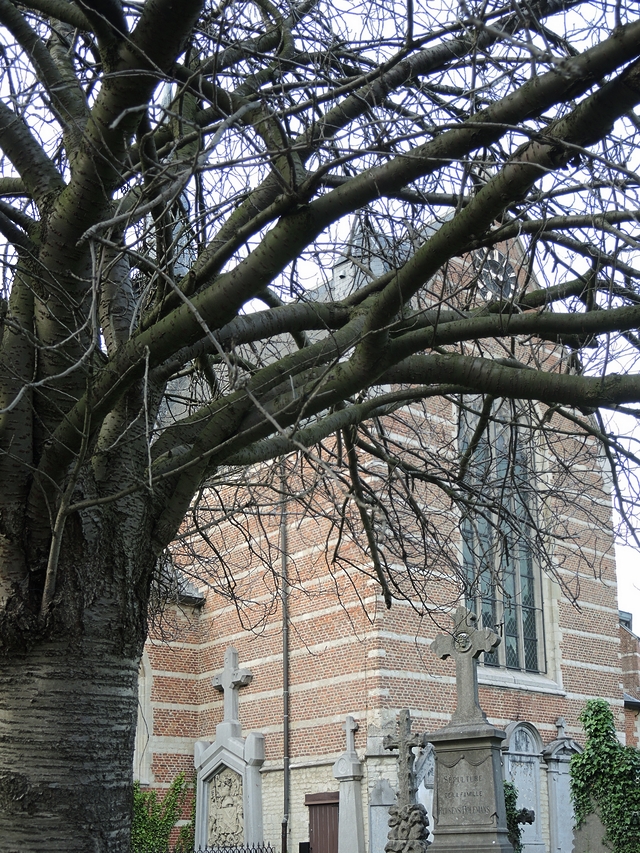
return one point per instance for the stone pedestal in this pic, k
(350, 820)
(217, 764)
(469, 811)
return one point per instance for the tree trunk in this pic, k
(67, 725)
(68, 693)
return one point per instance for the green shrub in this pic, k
(154, 819)
(606, 777)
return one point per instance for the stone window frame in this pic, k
(479, 603)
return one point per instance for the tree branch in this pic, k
(38, 174)
(14, 235)
(61, 10)
(501, 380)
(66, 99)
(12, 187)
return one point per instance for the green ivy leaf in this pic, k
(606, 777)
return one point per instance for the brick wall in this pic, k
(630, 663)
(350, 655)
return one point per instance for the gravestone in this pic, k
(348, 771)
(229, 786)
(408, 821)
(557, 756)
(590, 837)
(425, 769)
(381, 798)
(522, 758)
(469, 811)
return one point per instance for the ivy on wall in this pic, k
(514, 830)
(606, 778)
(154, 819)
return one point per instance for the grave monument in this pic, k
(408, 821)
(469, 811)
(229, 787)
(348, 771)
(557, 756)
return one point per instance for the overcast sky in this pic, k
(628, 561)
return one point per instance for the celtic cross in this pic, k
(464, 645)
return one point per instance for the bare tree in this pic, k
(175, 176)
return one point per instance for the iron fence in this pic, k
(217, 848)
(234, 848)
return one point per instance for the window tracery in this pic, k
(501, 575)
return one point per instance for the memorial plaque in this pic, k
(462, 792)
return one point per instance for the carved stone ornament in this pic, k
(226, 818)
(408, 820)
(408, 829)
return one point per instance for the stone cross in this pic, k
(465, 645)
(351, 727)
(405, 743)
(560, 725)
(229, 681)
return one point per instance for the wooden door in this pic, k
(323, 822)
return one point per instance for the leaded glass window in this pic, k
(501, 577)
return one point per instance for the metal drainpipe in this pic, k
(285, 659)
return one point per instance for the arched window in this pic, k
(497, 528)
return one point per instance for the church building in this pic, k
(274, 686)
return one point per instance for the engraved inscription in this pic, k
(464, 799)
(464, 796)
